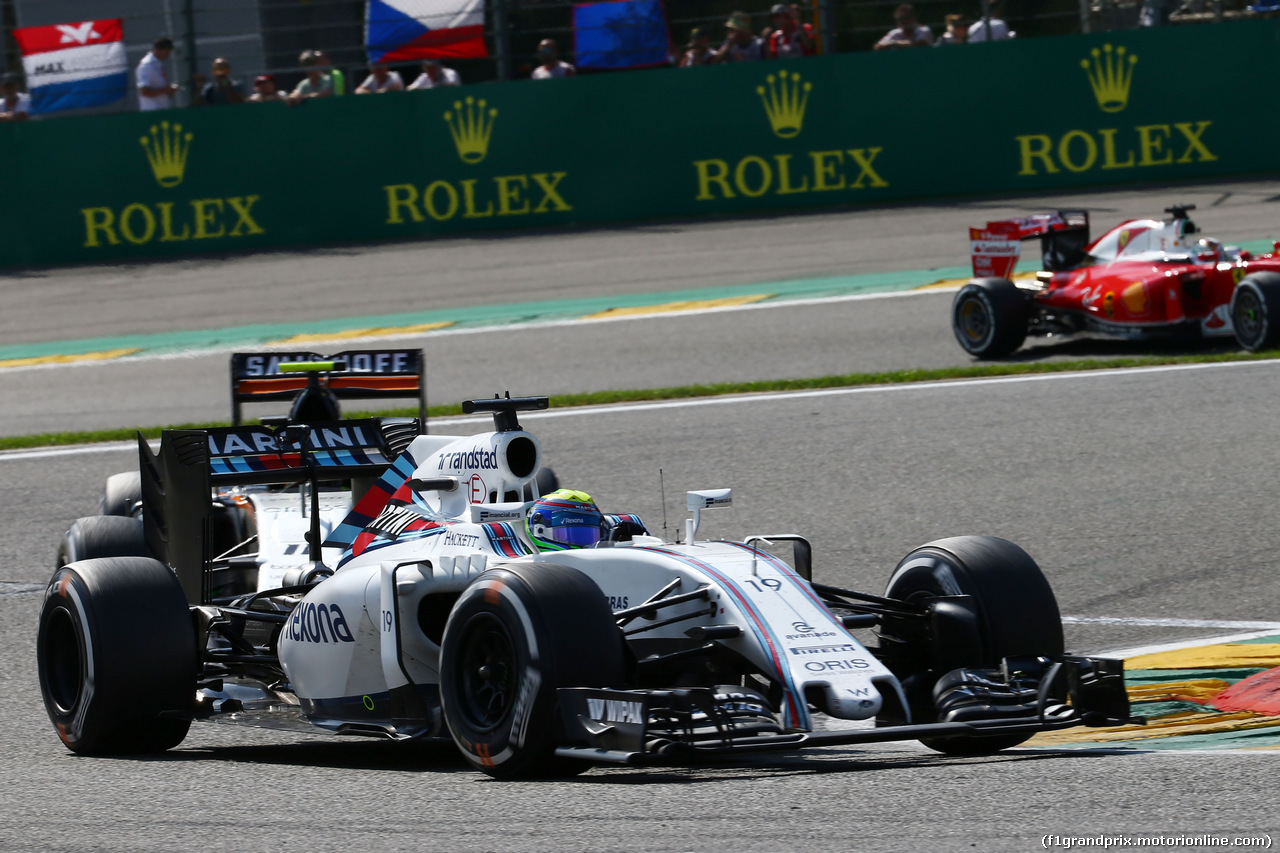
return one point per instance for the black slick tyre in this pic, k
(516, 635)
(101, 536)
(989, 317)
(121, 493)
(1017, 616)
(1255, 311)
(116, 655)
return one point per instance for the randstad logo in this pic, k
(142, 222)
(785, 97)
(471, 125)
(785, 102)
(1110, 75)
(167, 152)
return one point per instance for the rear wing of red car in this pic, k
(367, 374)
(1063, 234)
(178, 481)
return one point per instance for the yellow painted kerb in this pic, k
(104, 355)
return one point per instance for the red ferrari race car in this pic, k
(1143, 279)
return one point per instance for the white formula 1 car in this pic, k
(432, 611)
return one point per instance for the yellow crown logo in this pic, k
(784, 102)
(471, 124)
(1110, 75)
(167, 151)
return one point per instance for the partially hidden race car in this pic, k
(538, 633)
(1143, 279)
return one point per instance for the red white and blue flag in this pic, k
(70, 66)
(407, 30)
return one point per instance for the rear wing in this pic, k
(1063, 234)
(178, 481)
(366, 374)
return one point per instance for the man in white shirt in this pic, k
(155, 92)
(15, 105)
(380, 79)
(908, 33)
(434, 74)
(998, 30)
(550, 66)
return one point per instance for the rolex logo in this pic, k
(784, 102)
(471, 124)
(167, 151)
(1110, 74)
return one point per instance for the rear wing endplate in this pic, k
(1063, 236)
(366, 374)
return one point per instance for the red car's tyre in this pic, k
(1017, 616)
(989, 317)
(516, 636)
(117, 658)
(1255, 311)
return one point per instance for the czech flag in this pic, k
(71, 66)
(405, 30)
(621, 34)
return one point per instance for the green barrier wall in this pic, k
(1165, 104)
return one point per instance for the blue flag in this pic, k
(621, 34)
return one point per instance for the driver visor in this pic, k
(579, 535)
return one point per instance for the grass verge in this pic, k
(600, 398)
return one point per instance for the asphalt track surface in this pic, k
(766, 342)
(1146, 496)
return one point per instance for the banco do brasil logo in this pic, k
(471, 123)
(1110, 74)
(167, 149)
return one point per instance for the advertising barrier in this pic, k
(1172, 103)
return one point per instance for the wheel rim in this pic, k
(486, 673)
(973, 320)
(1248, 316)
(64, 660)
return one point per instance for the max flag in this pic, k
(404, 30)
(70, 66)
(621, 34)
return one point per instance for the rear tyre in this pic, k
(989, 317)
(117, 658)
(122, 493)
(101, 536)
(517, 635)
(1017, 616)
(1255, 311)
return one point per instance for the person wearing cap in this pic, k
(908, 33)
(264, 89)
(316, 84)
(740, 44)
(155, 92)
(15, 105)
(957, 31)
(789, 37)
(551, 66)
(380, 79)
(221, 89)
(698, 51)
(434, 75)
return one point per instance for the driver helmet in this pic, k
(1208, 250)
(564, 519)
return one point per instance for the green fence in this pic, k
(1163, 104)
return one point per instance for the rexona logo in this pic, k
(785, 97)
(167, 148)
(1110, 74)
(471, 124)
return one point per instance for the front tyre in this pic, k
(989, 317)
(516, 636)
(1255, 311)
(116, 655)
(1017, 616)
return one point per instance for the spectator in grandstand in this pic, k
(957, 31)
(380, 79)
(221, 89)
(698, 51)
(908, 33)
(434, 75)
(991, 27)
(335, 74)
(155, 92)
(551, 66)
(789, 37)
(316, 84)
(264, 89)
(15, 105)
(740, 44)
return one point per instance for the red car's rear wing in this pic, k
(366, 374)
(1063, 235)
